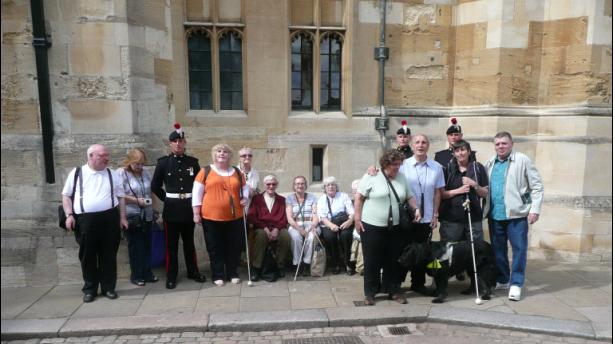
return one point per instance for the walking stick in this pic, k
(301, 257)
(466, 206)
(245, 232)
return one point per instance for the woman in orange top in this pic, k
(219, 196)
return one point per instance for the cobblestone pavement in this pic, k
(424, 333)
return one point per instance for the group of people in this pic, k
(453, 190)
(360, 232)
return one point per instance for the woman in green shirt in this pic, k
(377, 221)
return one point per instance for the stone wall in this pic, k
(118, 71)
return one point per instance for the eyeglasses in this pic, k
(271, 184)
(246, 155)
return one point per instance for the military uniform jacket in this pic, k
(406, 150)
(176, 173)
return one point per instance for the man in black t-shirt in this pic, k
(465, 178)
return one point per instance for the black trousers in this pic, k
(224, 240)
(381, 249)
(421, 232)
(338, 245)
(98, 235)
(173, 231)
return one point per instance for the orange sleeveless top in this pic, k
(221, 193)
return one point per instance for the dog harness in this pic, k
(448, 255)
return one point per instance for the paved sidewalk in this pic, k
(559, 298)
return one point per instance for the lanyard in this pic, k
(418, 178)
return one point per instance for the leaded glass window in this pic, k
(231, 82)
(199, 64)
(301, 54)
(330, 73)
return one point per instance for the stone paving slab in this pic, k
(512, 321)
(602, 319)
(16, 300)
(60, 302)
(139, 324)
(375, 315)
(268, 321)
(29, 328)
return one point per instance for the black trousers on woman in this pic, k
(224, 241)
(338, 245)
(381, 249)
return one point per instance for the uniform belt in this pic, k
(179, 195)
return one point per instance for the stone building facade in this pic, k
(304, 93)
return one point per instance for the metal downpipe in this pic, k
(41, 44)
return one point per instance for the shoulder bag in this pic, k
(405, 213)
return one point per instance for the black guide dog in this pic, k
(446, 259)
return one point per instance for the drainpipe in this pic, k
(381, 54)
(41, 44)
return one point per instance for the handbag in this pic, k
(338, 218)
(319, 258)
(270, 272)
(61, 213)
(158, 248)
(405, 217)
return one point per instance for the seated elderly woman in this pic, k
(335, 212)
(268, 216)
(302, 223)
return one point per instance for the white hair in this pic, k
(270, 178)
(330, 180)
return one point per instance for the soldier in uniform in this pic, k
(176, 172)
(403, 139)
(453, 135)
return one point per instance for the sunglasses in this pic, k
(246, 155)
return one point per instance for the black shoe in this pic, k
(152, 279)
(139, 283)
(336, 270)
(111, 295)
(197, 277)
(88, 298)
(423, 290)
(304, 270)
(256, 275)
(460, 276)
(171, 285)
(281, 272)
(350, 271)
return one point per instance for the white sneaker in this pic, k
(501, 286)
(235, 280)
(219, 283)
(515, 293)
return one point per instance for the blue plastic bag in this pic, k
(158, 246)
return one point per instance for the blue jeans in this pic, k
(515, 231)
(139, 252)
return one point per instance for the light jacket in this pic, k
(523, 191)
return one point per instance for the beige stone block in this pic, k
(99, 60)
(599, 126)
(20, 167)
(470, 12)
(16, 32)
(302, 12)
(598, 222)
(229, 11)
(163, 71)
(15, 10)
(564, 242)
(100, 116)
(198, 10)
(570, 126)
(560, 219)
(471, 37)
(475, 91)
(20, 117)
(147, 13)
(563, 32)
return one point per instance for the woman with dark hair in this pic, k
(377, 220)
(140, 214)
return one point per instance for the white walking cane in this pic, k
(301, 257)
(245, 232)
(466, 206)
